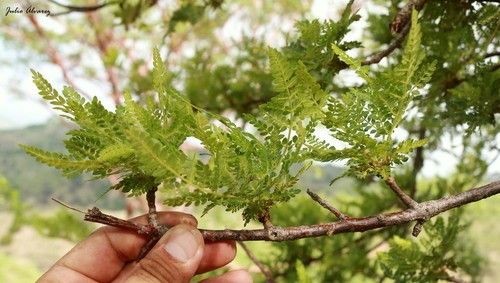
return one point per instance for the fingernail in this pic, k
(181, 244)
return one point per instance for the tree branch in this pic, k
(153, 226)
(96, 215)
(398, 39)
(492, 54)
(400, 26)
(418, 162)
(326, 205)
(423, 210)
(408, 201)
(152, 214)
(402, 18)
(265, 219)
(264, 269)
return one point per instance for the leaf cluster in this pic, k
(141, 142)
(366, 117)
(313, 45)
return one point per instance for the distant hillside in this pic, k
(37, 182)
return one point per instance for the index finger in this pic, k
(105, 252)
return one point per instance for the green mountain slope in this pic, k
(38, 183)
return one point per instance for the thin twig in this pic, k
(406, 199)
(148, 246)
(68, 206)
(152, 214)
(264, 269)
(95, 215)
(326, 205)
(492, 54)
(265, 219)
(378, 56)
(153, 226)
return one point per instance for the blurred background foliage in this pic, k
(216, 51)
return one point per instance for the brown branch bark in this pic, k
(409, 203)
(402, 18)
(418, 163)
(96, 215)
(264, 269)
(396, 43)
(265, 219)
(153, 227)
(152, 214)
(326, 205)
(406, 199)
(423, 210)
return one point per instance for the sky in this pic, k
(25, 108)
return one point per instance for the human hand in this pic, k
(108, 255)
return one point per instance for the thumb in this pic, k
(175, 257)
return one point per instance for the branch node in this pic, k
(265, 219)
(418, 227)
(402, 18)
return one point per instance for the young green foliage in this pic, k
(313, 45)
(366, 117)
(244, 171)
(141, 143)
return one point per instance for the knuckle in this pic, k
(156, 270)
(190, 220)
